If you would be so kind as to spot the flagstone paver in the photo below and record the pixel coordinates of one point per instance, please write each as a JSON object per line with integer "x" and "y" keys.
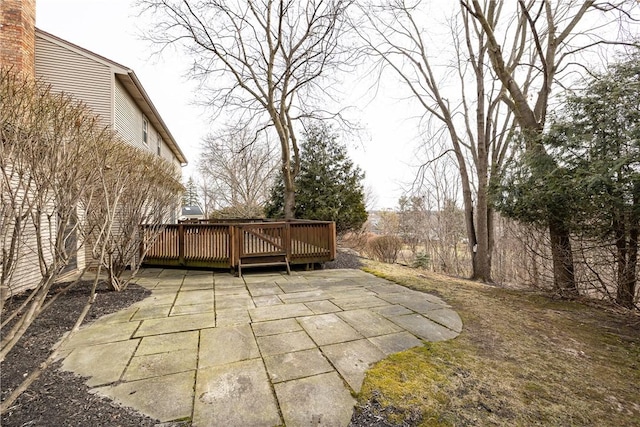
{"x": 172, "y": 324}
{"x": 273, "y": 327}
{"x": 284, "y": 343}
{"x": 368, "y": 323}
{"x": 263, "y": 350}
{"x": 112, "y": 358}
{"x": 224, "y": 345}
{"x": 320, "y": 400}
{"x": 352, "y": 359}
{"x": 169, "y": 342}
{"x": 424, "y": 328}
{"x": 151, "y": 365}
{"x": 300, "y": 364}
{"x": 395, "y": 343}
{"x": 166, "y": 398}
{"x": 237, "y": 394}
{"x": 328, "y": 329}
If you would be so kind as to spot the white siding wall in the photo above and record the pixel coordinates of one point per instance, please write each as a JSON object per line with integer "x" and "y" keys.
{"x": 71, "y": 72}
{"x": 27, "y": 270}
{"x": 128, "y": 124}
{"x": 128, "y": 118}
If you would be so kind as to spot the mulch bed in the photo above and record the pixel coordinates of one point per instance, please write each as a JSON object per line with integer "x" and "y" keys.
{"x": 60, "y": 398}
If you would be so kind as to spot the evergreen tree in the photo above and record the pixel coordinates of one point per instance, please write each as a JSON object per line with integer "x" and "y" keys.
{"x": 591, "y": 175}
{"x": 329, "y": 186}
{"x": 190, "y": 196}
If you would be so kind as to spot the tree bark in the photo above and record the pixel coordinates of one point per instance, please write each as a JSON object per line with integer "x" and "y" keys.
{"x": 289, "y": 199}
{"x": 627, "y": 253}
{"x": 483, "y": 251}
{"x": 562, "y": 255}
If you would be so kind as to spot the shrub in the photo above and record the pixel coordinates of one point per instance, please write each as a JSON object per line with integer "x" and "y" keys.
{"x": 422, "y": 260}
{"x": 385, "y": 248}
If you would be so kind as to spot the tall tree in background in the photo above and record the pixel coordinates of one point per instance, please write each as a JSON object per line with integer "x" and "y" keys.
{"x": 269, "y": 61}
{"x": 471, "y": 116}
{"x": 239, "y": 171}
{"x": 329, "y": 186}
{"x": 530, "y": 52}
{"x": 190, "y": 196}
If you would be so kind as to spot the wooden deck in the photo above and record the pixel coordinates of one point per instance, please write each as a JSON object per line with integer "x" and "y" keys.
{"x": 237, "y": 245}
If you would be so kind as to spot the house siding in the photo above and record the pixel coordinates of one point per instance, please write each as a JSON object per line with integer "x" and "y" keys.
{"x": 92, "y": 80}
{"x": 27, "y": 269}
{"x": 128, "y": 119}
{"x": 68, "y": 71}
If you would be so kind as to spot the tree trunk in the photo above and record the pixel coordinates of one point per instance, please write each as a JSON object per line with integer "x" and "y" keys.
{"x": 627, "y": 266}
{"x": 289, "y": 195}
{"x": 483, "y": 251}
{"x": 563, "y": 271}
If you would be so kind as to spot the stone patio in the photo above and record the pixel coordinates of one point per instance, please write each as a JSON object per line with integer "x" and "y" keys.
{"x": 263, "y": 350}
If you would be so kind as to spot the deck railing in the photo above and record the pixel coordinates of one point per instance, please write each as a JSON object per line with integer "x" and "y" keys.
{"x": 224, "y": 245}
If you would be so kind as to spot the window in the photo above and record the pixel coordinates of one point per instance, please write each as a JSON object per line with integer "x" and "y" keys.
{"x": 159, "y": 144}
{"x": 145, "y": 131}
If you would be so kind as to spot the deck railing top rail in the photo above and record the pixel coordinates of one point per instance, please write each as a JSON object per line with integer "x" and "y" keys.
{"x": 238, "y": 221}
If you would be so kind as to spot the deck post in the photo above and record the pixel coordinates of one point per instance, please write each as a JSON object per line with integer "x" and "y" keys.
{"x": 181, "y": 244}
{"x": 287, "y": 240}
{"x": 232, "y": 246}
{"x": 332, "y": 240}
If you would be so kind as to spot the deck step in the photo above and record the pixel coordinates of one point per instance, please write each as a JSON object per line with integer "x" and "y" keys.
{"x": 283, "y": 262}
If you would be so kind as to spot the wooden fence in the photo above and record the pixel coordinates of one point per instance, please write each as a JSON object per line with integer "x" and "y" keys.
{"x": 236, "y": 245}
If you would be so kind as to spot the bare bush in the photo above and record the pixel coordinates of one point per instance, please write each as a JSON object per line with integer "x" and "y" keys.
{"x": 385, "y": 248}
{"x": 60, "y": 169}
{"x": 46, "y": 171}
{"x": 140, "y": 188}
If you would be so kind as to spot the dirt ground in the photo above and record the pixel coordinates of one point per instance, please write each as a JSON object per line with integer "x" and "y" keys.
{"x": 61, "y": 398}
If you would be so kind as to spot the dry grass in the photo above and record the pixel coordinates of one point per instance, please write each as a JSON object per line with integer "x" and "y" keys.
{"x": 522, "y": 359}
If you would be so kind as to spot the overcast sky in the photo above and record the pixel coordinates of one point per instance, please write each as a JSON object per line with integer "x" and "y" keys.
{"x": 111, "y": 28}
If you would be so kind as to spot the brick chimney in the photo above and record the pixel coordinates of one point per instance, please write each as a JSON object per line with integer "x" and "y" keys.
{"x": 18, "y": 35}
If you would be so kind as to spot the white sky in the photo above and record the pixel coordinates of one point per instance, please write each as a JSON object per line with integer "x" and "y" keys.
{"x": 110, "y": 28}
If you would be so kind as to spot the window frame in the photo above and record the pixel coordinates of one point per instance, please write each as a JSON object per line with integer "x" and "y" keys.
{"x": 145, "y": 131}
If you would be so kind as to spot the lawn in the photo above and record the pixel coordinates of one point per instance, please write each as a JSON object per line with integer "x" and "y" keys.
{"x": 523, "y": 358}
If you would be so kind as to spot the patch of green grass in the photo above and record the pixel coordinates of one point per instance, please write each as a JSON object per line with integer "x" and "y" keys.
{"x": 523, "y": 358}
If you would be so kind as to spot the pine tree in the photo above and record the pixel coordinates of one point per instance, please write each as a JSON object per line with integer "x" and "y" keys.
{"x": 190, "y": 196}
{"x": 329, "y": 186}
{"x": 590, "y": 175}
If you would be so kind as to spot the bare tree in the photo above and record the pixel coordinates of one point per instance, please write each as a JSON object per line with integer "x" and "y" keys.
{"x": 473, "y": 118}
{"x": 270, "y": 61}
{"x": 444, "y": 229}
{"x": 208, "y": 197}
{"x": 534, "y": 49}
{"x": 239, "y": 171}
